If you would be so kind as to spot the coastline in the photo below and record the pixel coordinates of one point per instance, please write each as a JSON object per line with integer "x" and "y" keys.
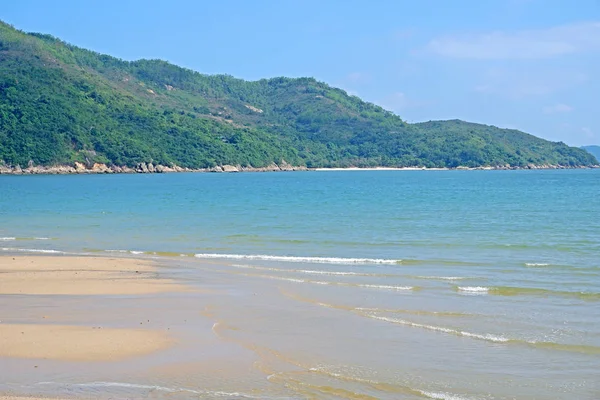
{"x": 143, "y": 168}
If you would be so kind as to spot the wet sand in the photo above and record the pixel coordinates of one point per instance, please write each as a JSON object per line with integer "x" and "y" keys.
{"x": 81, "y": 276}
{"x": 77, "y": 343}
{"x": 27, "y": 398}
{"x": 59, "y": 276}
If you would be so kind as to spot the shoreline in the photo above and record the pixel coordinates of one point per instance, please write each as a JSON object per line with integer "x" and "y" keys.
{"x": 143, "y": 168}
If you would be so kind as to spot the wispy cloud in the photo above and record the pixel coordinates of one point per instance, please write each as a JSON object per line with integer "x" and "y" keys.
{"x": 588, "y": 132}
{"x": 527, "y": 44}
{"x": 399, "y": 101}
{"x": 557, "y": 108}
{"x": 358, "y": 77}
{"x": 517, "y": 83}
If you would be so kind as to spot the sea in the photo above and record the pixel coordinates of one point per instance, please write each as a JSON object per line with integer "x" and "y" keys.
{"x": 454, "y": 285}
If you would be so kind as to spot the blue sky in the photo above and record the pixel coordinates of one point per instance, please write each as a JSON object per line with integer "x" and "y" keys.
{"x": 524, "y": 64}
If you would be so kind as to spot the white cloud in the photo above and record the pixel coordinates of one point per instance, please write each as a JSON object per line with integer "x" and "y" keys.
{"x": 398, "y": 101}
{"x": 557, "y": 108}
{"x": 518, "y": 83}
{"x": 527, "y": 44}
{"x": 357, "y": 77}
{"x": 589, "y": 134}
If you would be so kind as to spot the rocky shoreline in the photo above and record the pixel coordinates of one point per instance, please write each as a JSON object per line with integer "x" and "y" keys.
{"x": 142, "y": 168}
{"x": 149, "y": 168}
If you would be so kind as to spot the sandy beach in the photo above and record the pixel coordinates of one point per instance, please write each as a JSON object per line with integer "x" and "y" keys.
{"x": 41, "y": 338}
{"x": 81, "y": 276}
{"x": 103, "y": 319}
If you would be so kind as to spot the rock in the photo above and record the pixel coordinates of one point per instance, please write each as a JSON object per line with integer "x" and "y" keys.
{"x": 100, "y": 169}
{"x": 151, "y": 168}
{"x": 142, "y": 168}
{"x": 216, "y": 169}
{"x": 230, "y": 168}
{"x": 18, "y": 170}
{"x": 79, "y": 167}
{"x": 284, "y": 166}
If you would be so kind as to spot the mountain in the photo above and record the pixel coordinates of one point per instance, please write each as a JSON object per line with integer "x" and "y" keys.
{"x": 61, "y": 104}
{"x": 593, "y": 150}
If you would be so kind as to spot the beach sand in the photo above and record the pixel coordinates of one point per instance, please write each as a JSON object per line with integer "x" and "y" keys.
{"x": 77, "y": 343}
{"x": 81, "y": 276}
{"x": 59, "y": 276}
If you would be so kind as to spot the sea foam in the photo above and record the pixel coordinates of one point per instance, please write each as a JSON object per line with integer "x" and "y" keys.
{"x": 317, "y": 260}
{"x": 474, "y": 289}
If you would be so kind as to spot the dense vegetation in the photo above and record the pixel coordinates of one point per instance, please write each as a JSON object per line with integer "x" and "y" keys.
{"x": 60, "y": 104}
{"x": 593, "y": 150}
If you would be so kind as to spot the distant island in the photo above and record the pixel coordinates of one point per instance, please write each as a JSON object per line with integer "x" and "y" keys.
{"x": 64, "y": 109}
{"x": 593, "y": 150}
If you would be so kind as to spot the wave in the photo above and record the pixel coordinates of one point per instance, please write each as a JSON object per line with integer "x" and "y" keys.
{"x": 20, "y": 250}
{"x": 11, "y": 238}
{"x": 537, "y": 264}
{"x": 137, "y": 252}
{"x": 443, "y": 278}
{"x": 473, "y": 289}
{"x": 442, "y": 396}
{"x": 413, "y": 312}
{"x": 526, "y": 291}
{"x": 125, "y": 385}
{"x": 334, "y": 283}
{"x": 317, "y": 260}
{"x": 310, "y": 272}
{"x": 573, "y": 348}
{"x": 519, "y": 291}
{"x": 487, "y": 337}
{"x": 388, "y": 387}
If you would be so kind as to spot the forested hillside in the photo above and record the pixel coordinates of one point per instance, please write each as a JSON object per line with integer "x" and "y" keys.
{"x": 60, "y": 104}
{"x": 593, "y": 150}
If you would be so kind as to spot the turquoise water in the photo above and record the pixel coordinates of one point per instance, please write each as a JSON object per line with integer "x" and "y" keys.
{"x": 403, "y": 284}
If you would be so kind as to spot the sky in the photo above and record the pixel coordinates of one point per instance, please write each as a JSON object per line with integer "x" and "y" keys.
{"x": 530, "y": 65}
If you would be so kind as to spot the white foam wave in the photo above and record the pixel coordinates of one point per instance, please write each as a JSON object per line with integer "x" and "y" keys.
{"x": 387, "y": 287}
{"x": 333, "y": 283}
{"x": 488, "y": 337}
{"x": 34, "y": 250}
{"x": 124, "y": 251}
{"x": 443, "y": 278}
{"x": 154, "y": 388}
{"x": 11, "y": 238}
{"x": 536, "y": 264}
{"x": 317, "y": 260}
{"x": 474, "y": 289}
{"x": 442, "y": 396}
{"x": 302, "y": 271}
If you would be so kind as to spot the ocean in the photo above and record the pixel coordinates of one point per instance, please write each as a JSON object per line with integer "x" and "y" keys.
{"x": 345, "y": 284}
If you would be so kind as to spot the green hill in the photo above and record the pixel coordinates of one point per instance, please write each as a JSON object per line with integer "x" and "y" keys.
{"x": 593, "y": 150}
{"x": 60, "y": 104}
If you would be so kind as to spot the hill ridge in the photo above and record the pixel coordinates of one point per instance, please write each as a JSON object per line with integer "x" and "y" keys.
{"x": 61, "y": 104}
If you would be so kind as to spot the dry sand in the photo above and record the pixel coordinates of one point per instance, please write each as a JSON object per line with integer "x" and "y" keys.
{"x": 48, "y": 275}
{"x": 80, "y": 276}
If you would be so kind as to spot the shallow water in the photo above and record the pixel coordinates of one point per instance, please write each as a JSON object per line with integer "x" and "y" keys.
{"x": 388, "y": 284}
